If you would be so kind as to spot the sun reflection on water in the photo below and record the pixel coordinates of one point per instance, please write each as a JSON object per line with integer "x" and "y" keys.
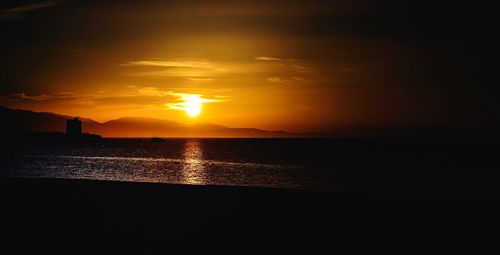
{"x": 193, "y": 171}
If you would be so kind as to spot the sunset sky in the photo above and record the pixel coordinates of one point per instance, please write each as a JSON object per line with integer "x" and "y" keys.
{"x": 300, "y": 66}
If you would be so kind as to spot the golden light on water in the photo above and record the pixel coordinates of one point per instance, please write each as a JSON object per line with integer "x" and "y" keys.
{"x": 193, "y": 171}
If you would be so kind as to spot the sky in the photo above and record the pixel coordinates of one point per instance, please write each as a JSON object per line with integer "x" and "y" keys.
{"x": 301, "y": 66}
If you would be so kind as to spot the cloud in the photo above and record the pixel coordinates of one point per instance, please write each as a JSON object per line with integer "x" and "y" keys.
{"x": 19, "y": 13}
{"x": 186, "y": 101}
{"x": 202, "y": 79}
{"x": 277, "y": 80}
{"x": 303, "y": 69}
{"x": 18, "y": 97}
{"x": 180, "y": 98}
{"x": 264, "y": 58}
{"x": 195, "y": 70}
{"x": 287, "y": 69}
{"x": 277, "y": 70}
{"x": 152, "y": 92}
{"x": 175, "y": 63}
{"x": 134, "y": 95}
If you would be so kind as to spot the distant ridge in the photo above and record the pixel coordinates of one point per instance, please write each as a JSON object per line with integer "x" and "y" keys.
{"x": 15, "y": 119}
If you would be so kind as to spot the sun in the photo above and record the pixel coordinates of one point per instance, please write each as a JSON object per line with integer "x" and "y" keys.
{"x": 192, "y": 105}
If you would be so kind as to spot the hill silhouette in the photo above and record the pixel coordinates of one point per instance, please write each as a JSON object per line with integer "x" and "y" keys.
{"x": 129, "y": 126}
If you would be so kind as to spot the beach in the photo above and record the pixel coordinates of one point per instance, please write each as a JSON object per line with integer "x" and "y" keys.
{"x": 84, "y": 215}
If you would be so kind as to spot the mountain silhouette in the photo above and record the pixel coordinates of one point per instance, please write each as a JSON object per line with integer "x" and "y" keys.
{"x": 15, "y": 119}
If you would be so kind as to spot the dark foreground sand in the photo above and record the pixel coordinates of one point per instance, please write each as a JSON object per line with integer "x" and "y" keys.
{"x": 81, "y": 215}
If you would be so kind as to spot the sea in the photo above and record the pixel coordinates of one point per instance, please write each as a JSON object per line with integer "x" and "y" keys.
{"x": 390, "y": 166}
{"x": 281, "y": 163}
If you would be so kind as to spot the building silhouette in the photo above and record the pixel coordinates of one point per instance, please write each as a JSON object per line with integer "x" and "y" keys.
{"x": 73, "y": 127}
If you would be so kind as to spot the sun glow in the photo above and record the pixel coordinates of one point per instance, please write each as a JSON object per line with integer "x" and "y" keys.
{"x": 192, "y": 105}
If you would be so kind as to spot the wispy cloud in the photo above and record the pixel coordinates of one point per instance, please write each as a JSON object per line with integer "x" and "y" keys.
{"x": 303, "y": 69}
{"x": 283, "y": 70}
{"x": 130, "y": 100}
{"x": 176, "y": 63}
{"x": 264, "y": 58}
{"x": 185, "y": 99}
{"x": 193, "y": 70}
{"x": 169, "y": 94}
{"x": 277, "y": 79}
{"x": 200, "y": 79}
{"x": 151, "y": 91}
{"x": 19, "y": 13}
{"x": 142, "y": 92}
{"x": 16, "y": 97}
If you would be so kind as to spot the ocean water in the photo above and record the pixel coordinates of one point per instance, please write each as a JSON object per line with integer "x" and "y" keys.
{"x": 286, "y": 163}
{"x": 393, "y": 166}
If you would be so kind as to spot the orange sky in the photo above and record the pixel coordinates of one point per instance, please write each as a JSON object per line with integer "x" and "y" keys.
{"x": 283, "y": 65}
